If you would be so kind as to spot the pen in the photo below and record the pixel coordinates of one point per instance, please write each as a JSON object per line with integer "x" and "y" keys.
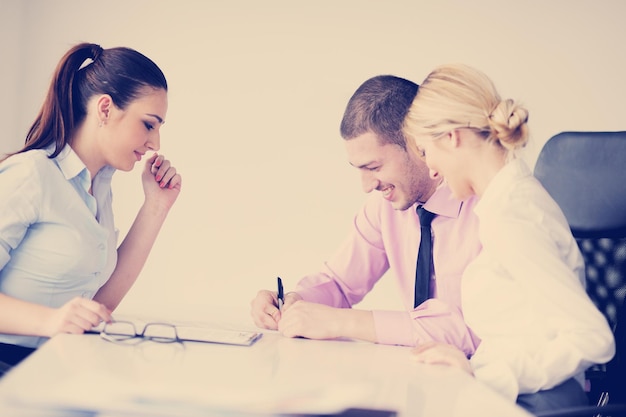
{"x": 281, "y": 295}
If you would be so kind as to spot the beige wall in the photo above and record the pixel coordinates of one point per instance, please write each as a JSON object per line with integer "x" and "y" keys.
{"x": 257, "y": 90}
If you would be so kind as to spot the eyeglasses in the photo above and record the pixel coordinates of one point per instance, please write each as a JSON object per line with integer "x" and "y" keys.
{"x": 125, "y": 332}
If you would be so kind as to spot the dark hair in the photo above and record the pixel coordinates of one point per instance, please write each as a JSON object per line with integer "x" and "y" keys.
{"x": 379, "y": 105}
{"x": 120, "y": 72}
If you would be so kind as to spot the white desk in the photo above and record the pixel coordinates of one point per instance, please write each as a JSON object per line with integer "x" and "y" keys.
{"x": 277, "y": 375}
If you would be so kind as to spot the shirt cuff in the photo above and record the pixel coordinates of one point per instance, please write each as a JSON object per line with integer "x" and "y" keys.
{"x": 4, "y": 257}
{"x": 496, "y": 374}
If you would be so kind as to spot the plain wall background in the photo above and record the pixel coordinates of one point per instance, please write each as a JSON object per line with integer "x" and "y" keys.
{"x": 257, "y": 91}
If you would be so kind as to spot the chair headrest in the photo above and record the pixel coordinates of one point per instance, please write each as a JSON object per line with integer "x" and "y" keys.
{"x": 585, "y": 172}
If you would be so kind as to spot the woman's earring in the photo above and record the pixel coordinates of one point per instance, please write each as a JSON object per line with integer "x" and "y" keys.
{"x": 100, "y": 124}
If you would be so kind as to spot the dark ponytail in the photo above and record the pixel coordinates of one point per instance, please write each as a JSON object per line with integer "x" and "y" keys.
{"x": 84, "y": 71}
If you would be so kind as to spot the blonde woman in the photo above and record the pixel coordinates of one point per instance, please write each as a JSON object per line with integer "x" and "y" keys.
{"x": 524, "y": 294}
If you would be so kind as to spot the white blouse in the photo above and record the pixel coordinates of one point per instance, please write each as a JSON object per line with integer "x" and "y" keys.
{"x": 524, "y": 294}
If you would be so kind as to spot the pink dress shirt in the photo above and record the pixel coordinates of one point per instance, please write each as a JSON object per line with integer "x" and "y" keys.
{"x": 386, "y": 239}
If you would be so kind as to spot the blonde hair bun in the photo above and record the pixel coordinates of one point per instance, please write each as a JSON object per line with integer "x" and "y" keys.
{"x": 508, "y": 123}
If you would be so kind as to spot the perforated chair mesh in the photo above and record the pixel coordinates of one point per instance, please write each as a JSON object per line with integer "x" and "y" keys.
{"x": 605, "y": 264}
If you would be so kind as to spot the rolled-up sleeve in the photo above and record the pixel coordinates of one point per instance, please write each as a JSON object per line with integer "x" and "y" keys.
{"x": 433, "y": 320}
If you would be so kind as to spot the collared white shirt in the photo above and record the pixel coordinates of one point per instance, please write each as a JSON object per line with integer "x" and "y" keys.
{"x": 524, "y": 294}
{"x": 57, "y": 241}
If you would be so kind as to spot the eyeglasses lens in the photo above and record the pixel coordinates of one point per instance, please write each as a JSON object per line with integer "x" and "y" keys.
{"x": 163, "y": 333}
{"x": 120, "y": 331}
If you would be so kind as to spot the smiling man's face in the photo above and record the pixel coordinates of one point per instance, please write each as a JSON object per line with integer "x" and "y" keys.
{"x": 399, "y": 174}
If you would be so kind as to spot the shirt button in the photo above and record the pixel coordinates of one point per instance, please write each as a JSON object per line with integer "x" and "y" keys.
{"x": 101, "y": 246}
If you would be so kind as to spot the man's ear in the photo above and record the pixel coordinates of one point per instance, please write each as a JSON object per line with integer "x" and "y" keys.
{"x": 103, "y": 107}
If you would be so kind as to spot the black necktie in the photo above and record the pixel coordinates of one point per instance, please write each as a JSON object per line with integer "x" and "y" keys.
{"x": 424, "y": 257}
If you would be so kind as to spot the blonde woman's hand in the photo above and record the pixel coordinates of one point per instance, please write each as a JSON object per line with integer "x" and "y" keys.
{"x": 437, "y": 353}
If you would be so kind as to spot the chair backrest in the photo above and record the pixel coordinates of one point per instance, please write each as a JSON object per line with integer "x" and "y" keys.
{"x": 585, "y": 172}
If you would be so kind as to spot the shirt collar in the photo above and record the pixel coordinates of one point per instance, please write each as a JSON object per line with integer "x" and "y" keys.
{"x": 501, "y": 184}
{"x": 72, "y": 166}
{"x": 443, "y": 203}
{"x": 69, "y": 163}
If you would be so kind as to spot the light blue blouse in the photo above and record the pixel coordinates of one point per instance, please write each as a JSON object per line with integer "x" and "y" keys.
{"x": 57, "y": 241}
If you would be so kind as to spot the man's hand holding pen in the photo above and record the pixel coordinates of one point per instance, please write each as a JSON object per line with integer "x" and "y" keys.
{"x": 267, "y": 307}
{"x": 294, "y": 317}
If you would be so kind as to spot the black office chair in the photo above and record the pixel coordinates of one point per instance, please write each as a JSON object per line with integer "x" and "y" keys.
{"x": 585, "y": 172}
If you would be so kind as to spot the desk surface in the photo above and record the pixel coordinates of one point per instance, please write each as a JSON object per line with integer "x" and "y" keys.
{"x": 276, "y": 375}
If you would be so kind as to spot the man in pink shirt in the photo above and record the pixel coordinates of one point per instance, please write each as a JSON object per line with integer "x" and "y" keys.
{"x": 385, "y": 236}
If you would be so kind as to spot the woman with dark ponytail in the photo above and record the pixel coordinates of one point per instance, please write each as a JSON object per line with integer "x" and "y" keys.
{"x": 61, "y": 268}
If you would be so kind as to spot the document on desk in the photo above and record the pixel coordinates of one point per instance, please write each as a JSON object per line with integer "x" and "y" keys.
{"x": 209, "y": 335}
